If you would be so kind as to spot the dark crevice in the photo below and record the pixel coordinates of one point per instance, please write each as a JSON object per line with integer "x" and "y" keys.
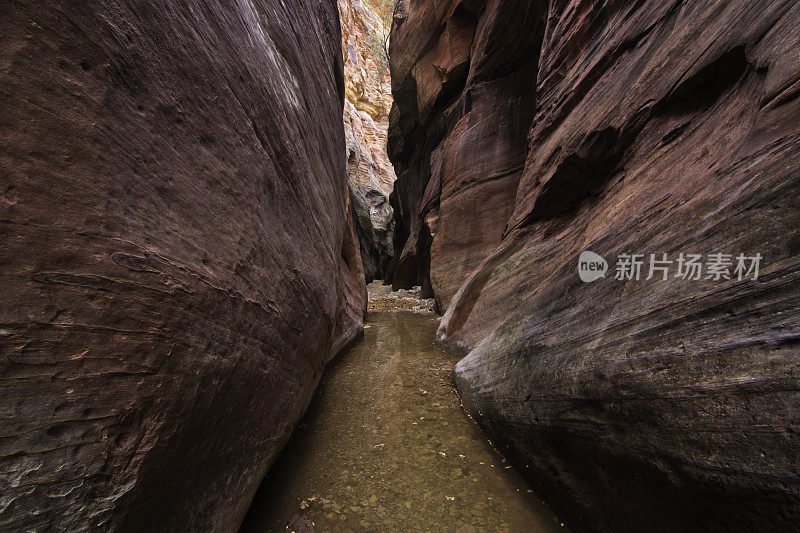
{"x": 705, "y": 87}
{"x": 584, "y": 173}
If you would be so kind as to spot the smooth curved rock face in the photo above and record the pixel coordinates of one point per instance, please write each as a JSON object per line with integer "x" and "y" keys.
{"x": 658, "y": 127}
{"x": 177, "y": 262}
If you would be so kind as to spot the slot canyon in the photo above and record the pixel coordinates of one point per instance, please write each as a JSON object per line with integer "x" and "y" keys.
{"x": 400, "y": 265}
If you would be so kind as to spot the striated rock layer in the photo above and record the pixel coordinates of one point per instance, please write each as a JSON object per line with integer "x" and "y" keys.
{"x": 177, "y": 260}
{"x": 457, "y": 133}
{"x": 527, "y": 132}
{"x": 368, "y": 98}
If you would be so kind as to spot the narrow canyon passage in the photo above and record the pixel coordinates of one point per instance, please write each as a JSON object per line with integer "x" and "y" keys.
{"x": 385, "y": 446}
{"x": 601, "y": 198}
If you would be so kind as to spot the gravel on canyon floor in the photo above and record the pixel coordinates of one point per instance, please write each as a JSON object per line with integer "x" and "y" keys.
{"x": 382, "y": 298}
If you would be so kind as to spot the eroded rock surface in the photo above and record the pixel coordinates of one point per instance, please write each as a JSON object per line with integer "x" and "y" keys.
{"x": 177, "y": 259}
{"x": 366, "y": 119}
{"x": 461, "y": 73}
{"x": 527, "y": 132}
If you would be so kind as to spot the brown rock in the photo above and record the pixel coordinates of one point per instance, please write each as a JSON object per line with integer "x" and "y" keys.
{"x": 657, "y": 127}
{"x": 353, "y": 289}
{"x": 300, "y": 524}
{"x": 457, "y": 136}
{"x": 177, "y": 262}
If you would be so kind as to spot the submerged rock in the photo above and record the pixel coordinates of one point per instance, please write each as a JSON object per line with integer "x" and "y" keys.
{"x": 525, "y": 133}
{"x": 300, "y": 524}
{"x": 177, "y": 260}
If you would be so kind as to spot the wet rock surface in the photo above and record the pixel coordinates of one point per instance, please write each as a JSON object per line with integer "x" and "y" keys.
{"x": 177, "y": 257}
{"x": 385, "y": 446}
{"x": 549, "y": 128}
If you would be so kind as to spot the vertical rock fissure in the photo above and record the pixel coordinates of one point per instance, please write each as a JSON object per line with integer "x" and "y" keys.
{"x": 367, "y": 102}
{"x": 458, "y": 134}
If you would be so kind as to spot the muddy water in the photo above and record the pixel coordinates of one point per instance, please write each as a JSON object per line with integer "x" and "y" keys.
{"x": 386, "y": 447}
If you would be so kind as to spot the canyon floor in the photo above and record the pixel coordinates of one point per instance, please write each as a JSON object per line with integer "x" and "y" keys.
{"x": 385, "y": 445}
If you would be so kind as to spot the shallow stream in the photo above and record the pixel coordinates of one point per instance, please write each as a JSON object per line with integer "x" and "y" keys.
{"x": 385, "y": 446}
